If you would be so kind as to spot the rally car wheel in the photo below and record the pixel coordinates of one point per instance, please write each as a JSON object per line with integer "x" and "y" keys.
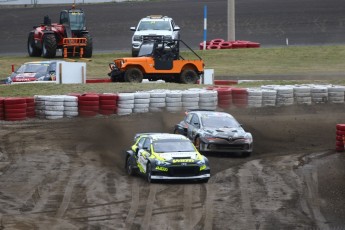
{"x": 149, "y": 173}
{"x": 197, "y": 143}
{"x": 129, "y": 167}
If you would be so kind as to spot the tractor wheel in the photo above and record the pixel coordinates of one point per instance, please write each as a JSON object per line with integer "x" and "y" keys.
{"x": 33, "y": 50}
{"x": 49, "y": 46}
{"x": 88, "y": 48}
{"x": 188, "y": 76}
{"x": 133, "y": 75}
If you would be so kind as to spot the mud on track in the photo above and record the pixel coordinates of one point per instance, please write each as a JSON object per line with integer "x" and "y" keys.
{"x": 69, "y": 174}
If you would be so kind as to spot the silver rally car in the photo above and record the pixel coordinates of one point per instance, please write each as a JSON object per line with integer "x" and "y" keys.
{"x": 213, "y": 131}
{"x": 163, "y": 156}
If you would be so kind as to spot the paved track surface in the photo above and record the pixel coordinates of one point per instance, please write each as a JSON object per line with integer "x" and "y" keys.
{"x": 270, "y": 22}
{"x": 69, "y": 174}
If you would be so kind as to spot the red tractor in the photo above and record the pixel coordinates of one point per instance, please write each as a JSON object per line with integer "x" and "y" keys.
{"x": 70, "y": 35}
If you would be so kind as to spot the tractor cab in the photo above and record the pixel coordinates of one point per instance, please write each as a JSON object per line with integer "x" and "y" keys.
{"x": 73, "y": 20}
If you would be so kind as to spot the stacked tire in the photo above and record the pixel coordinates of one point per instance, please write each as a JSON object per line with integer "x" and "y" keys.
{"x": 30, "y": 107}
{"x": 285, "y": 96}
{"x": 71, "y": 106}
{"x": 15, "y": 109}
{"x": 336, "y": 94}
{"x": 157, "y": 100}
{"x": 49, "y": 107}
{"x": 88, "y": 105}
{"x": 302, "y": 95}
{"x": 224, "y": 97}
{"x": 2, "y": 112}
{"x": 269, "y": 97}
{"x": 173, "y": 101}
{"x": 340, "y": 137}
{"x": 254, "y": 97}
{"x": 208, "y": 99}
{"x": 190, "y": 99}
{"x": 319, "y": 94}
{"x": 125, "y": 103}
{"x": 239, "y": 97}
{"x": 108, "y": 104}
{"x": 141, "y": 102}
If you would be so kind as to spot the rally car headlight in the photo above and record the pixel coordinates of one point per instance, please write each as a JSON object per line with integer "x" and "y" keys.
{"x": 162, "y": 163}
{"x": 201, "y": 162}
{"x": 248, "y": 138}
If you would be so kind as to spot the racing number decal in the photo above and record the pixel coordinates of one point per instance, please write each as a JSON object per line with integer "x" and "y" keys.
{"x": 142, "y": 158}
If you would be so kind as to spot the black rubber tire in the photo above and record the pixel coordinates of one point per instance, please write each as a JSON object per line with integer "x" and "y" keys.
{"x": 188, "y": 76}
{"x": 149, "y": 173}
{"x": 134, "y": 53}
{"x": 89, "y": 46}
{"x": 176, "y": 131}
{"x": 33, "y": 50}
{"x": 134, "y": 75}
{"x": 197, "y": 143}
{"x": 49, "y": 46}
{"x": 129, "y": 167}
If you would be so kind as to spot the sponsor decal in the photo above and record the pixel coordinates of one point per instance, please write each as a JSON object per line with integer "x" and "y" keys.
{"x": 160, "y": 168}
{"x": 183, "y": 161}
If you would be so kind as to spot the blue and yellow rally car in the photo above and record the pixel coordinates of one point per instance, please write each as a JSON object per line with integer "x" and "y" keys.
{"x": 163, "y": 156}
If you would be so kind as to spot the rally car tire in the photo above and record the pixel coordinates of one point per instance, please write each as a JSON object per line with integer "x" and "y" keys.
{"x": 129, "y": 167}
{"x": 197, "y": 143}
{"x": 149, "y": 173}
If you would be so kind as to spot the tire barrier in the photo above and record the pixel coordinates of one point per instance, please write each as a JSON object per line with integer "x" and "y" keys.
{"x": 108, "y": 104}
{"x": 239, "y": 97}
{"x": 71, "y": 106}
{"x": 254, "y": 97}
{"x": 15, "y": 109}
{"x": 125, "y": 103}
{"x": 190, "y": 99}
{"x": 49, "y": 107}
{"x": 173, "y": 101}
{"x": 269, "y": 97}
{"x": 224, "y": 97}
{"x": 210, "y": 98}
{"x": 319, "y": 94}
{"x": 88, "y": 105}
{"x": 340, "y": 137}
{"x": 2, "y": 113}
{"x": 336, "y": 94}
{"x": 157, "y": 100}
{"x": 30, "y": 107}
{"x": 141, "y": 102}
{"x": 222, "y": 44}
{"x": 302, "y": 94}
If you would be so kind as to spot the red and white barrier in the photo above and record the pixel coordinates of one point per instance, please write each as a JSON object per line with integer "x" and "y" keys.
{"x": 340, "y": 137}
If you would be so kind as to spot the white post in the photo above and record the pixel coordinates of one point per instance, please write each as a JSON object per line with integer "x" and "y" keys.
{"x": 231, "y": 20}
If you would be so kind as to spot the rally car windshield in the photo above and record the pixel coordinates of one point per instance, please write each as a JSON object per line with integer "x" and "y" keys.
{"x": 33, "y": 68}
{"x": 219, "y": 122}
{"x": 173, "y": 146}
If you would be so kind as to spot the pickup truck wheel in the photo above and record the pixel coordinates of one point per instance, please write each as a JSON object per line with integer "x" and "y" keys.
{"x": 188, "y": 76}
{"x": 134, "y": 75}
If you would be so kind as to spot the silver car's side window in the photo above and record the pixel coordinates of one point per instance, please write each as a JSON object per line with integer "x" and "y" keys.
{"x": 189, "y": 118}
{"x": 195, "y": 121}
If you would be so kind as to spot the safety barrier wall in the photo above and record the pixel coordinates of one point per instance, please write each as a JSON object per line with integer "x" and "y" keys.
{"x": 211, "y": 97}
{"x": 219, "y": 43}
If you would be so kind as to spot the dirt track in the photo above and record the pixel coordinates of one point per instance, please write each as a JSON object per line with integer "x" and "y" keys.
{"x": 69, "y": 174}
